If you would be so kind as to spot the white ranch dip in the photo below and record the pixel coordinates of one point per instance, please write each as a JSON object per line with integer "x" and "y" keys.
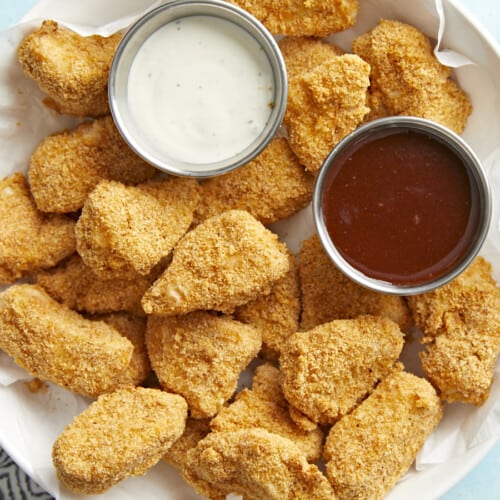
{"x": 200, "y": 89}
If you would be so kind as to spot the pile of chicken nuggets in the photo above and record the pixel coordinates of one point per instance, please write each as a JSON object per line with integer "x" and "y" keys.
{"x": 152, "y": 294}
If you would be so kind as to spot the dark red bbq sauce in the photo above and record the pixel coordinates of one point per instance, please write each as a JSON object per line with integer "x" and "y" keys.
{"x": 401, "y": 207}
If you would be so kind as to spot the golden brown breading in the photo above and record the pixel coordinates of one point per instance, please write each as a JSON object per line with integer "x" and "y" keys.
{"x": 200, "y": 356}
{"x": 66, "y": 166}
{"x": 407, "y": 79}
{"x": 328, "y": 370}
{"x": 271, "y": 187}
{"x": 298, "y": 17}
{"x": 265, "y": 407}
{"x": 328, "y": 294}
{"x": 29, "y": 240}
{"x": 302, "y": 54}
{"x": 126, "y": 230}
{"x": 75, "y": 284}
{"x": 71, "y": 69}
{"x": 324, "y": 105}
{"x": 224, "y": 262}
{"x": 121, "y": 434}
{"x": 255, "y": 464}
{"x": 461, "y": 323}
{"x": 371, "y": 448}
{"x": 276, "y": 315}
{"x": 56, "y": 344}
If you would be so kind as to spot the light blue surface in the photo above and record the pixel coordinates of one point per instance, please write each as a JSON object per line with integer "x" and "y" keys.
{"x": 483, "y": 482}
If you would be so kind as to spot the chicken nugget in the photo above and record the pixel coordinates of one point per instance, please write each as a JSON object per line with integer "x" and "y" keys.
{"x": 56, "y": 344}
{"x": 200, "y": 356}
{"x": 371, "y": 448}
{"x": 297, "y": 18}
{"x": 29, "y": 239}
{"x": 324, "y": 105}
{"x": 276, "y": 315}
{"x": 66, "y": 166}
{"x": 461, "y": 324}
{"x": 329, "y": 370}
{"x": 76, "y": 285}
{"x": 223, "y": 263}
{"x": 73, "y": 70}
{"x": 255, "y": 464}
{"x": 265, "y": 407}
{"x": 126, "y": 230}
{"x": 122, "y": 434}
{"x": 407, "y": 79}
{"x": 328, "y": 294}
{"x": 271, "y": 187}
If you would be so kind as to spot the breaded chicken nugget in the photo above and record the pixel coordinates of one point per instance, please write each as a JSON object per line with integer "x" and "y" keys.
{"x": 255, "y": 464}
{"x": 200, "y": 356}
{"x": 297, "y": 17}
{"x": 265, "y": 407}
{"x": 371, "y": 448}
{"x": 271, "y": 187}
{"x": 407, "y": 79}
{"x": 302, "y": 54}
{"x": 76, "y": 285}
{"x": 122, "y": 434}
{"x": 276, "y": 315}
{"x": 224, "y": 262}
{"x": 328, "y": 370}
{"x": 66, "y": 166}
{"x": 327, "y": 294}
{"x": 324, "y": 105}
{"x": 126, "y": 230}
{"x": 56, "y": 344}
{"x": 72, "y": 70}
{"x": 461, "y": 323}
{"x": 29, "y": 240}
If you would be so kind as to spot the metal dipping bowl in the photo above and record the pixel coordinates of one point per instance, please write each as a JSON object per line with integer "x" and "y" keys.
{"x": 128, "y": 48}
{"x": 437, "y": 132}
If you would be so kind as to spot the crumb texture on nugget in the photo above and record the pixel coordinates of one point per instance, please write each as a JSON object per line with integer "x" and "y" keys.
{"x": 461, "y": 324}
{"x": 256, "y": 464}
{"x": 73, "y": 70}
{"x": 122, "y": 434}
{"x": 200, "y": 356}
{"x": 29, "y": 239}
{"x": 330, "y": 369}
{"x": 224, "y": 262}
{"x": 370, "y": 449}
{"x": 56, "y": 344}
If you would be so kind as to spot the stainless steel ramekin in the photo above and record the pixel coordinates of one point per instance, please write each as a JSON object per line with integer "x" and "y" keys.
{"x": 141, "y": 30}
{"x": 442, "y": 135}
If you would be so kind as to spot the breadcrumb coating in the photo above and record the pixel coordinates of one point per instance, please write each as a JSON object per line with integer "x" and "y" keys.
{"x": 324, "y": 105}
{"x": 327, "y": 371}
{"x": 65, "y": 167}
{"x": 223, "y": 263}
{"x": 328, "y": 294}
{"x": 265, "y": 407}
{"x": 461, "y": 324}
{"x": 122, "y": 434}
{"x": 56, "y": 344}
{"x": 276, "y": 315}
{"x": 126, "y": 230}
{"x": 200, "y": 356}
{"x": 407, "y": 79}
{"x": 299, "y": 17}
{"x": 271, "y": 187}
{"x": 371, "y": 448}
{"x": 71, "y": 69}
{"x": 255, "y": 464}
{"x": 29, "y": 239}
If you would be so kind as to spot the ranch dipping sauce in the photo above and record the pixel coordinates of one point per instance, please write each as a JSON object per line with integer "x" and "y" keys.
{"x": 200, "y": 89}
